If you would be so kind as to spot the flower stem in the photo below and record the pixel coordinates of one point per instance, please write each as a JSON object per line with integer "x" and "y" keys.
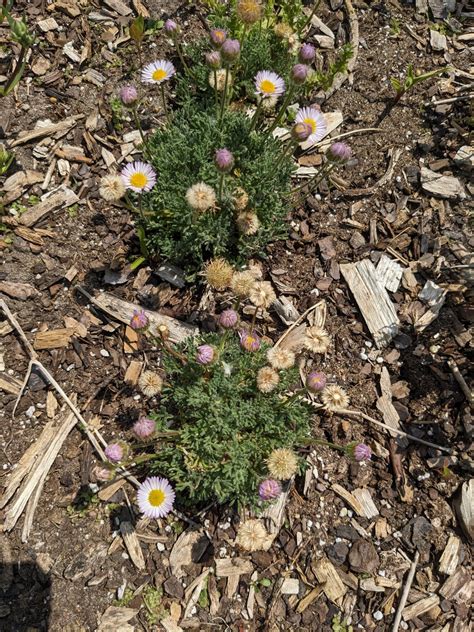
{"x": 163, "y": 96}
{"x": 256, "y": 115}
{"x": 141, "y": 228}
{"x": 140, "y": 129}
{"x": 308, "y": 21}
{"x": 288, "y": 149}
{"x": 284, "y": 105}
{"x": 216, "y": 93}
{"x": 179, "y": 50}
{"x": 224, "y": 95}
{"x": 221, "y": 187}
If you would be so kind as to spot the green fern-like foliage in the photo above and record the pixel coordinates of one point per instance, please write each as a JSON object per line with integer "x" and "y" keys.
{"x": 226, "y": 428}
{"x": 183, "y": 155}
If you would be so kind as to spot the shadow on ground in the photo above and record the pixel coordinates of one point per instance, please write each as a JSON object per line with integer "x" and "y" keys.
{"x": 25, "y": 593}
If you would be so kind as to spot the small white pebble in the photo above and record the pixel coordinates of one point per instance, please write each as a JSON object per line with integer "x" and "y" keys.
{"x": 104, "y": 353}
{"x": 160, "y": 546}
{"x": 309, "y": 524}
{"x": 30, "y": 412}
{"x": 350, "y": 513}
{"x": 343, "y": 512}
{"x": 378, "y": 616}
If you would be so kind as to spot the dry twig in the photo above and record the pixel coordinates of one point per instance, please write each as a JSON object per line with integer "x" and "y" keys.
{"x": 406, "y": 590}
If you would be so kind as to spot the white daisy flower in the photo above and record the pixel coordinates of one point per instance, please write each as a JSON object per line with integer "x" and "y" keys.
{"x": 158, "y": 71}
{"x": 139, "y": 177}
{"x": 315, "y": 120}
{"x": 155, "y": 497}
{"x": 269, "y": 84}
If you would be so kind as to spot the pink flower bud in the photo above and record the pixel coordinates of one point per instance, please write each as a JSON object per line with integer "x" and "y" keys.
{"x": 228, "y": 319}
{"x": 249, "y": 340}
{"x": 299, "y": 73}
{"x": 224, "y": 160}
{"x": 269, "y": 489}
{"x": 306, "y": 54}
{"x": 301, "y": 132}
{"x": 315, "y": 382}
{"x": 205, "y": 354}
{"x": 339, "y": 152}
{"x": 114, "y": 452}
{"x": 171, "y": 27}
{"x": 362, "y": 452}
{"x": 218, "y": 37}
{"x": 128, "y": 95}
{"x": 213, "y": 59}
{"x": 144, "y": 428}
{"x": 230, "y": 50}
{"x": 139, "y": 319}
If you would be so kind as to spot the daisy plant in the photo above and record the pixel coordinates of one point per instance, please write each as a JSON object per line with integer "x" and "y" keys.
{"x": 230, "y": 419}
{"x": 158, "y": 72}
{"x": 139, "y": 177}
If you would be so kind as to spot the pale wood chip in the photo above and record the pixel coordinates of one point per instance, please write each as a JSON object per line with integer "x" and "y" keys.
{"x": 133, "y": 372}
{"x": 20, "y": 291}
{"x": 53, "y": 339}
{"x": 229, "y": 566}
{"x": 54, "y": 129}
{"x": 115, "y": 619}
{"x": 420, "y": 607}
{"x": 132, "y": 544}
{"x": 332, "y": 584}
{"x": 61, "y": 199}
{"x": 449, "y": 560}
{"x": 372, "y": 299}
{"x": 10, "y": 384}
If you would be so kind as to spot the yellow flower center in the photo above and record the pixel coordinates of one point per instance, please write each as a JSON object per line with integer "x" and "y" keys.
{"x": 159, "y": 74}
{"x": 267, "y": 86}
{"x": 138, "y": 180}
{"x": 311, "y": 123}
{"x": 156, "y": 497}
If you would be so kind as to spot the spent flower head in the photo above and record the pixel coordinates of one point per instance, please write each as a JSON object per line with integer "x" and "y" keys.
{"x": 334, "y": 398}
{"x": 249, "y": 340}
{"x": 112, "y": 187}
{"x": 150, "y": 383}
{"x": 228, "y": 319}
{"x": 262, "y": 294}
{"x": 281, "y": 358}
{"x": 339, "y": 153}
{"x": 252, "y": 536}
{"x": 242, "y": 283}
{"x": 155, "y": 497}
{"x": 218, "y": 273}
{"x": 158, "y": 71}
{"x": 269, "y": 84}
{"x": 224, "y": 160}
{"x": 249, "y": 11}
{"x": 241, "y": 199}
{"x": 201, "y": 197}
{"x": 139, "y": 177}
{"x": 144, "y": 428}
{"x": 317, "y": 339}
{"x": 205, "y": 354}
{"x": 248, "y": 223}
{"x": 306, "y": 54}
{"x": 316, "y": 382}
{"x": 269, "y": 489}
{"x": 282, "y": 463}
{"x": 267, "y": 379}
{"x": 316, "y": 120}
{"x": 128, "y": 95}
{"x": 139, "y": 320}
{"x": 218, "y": 81}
